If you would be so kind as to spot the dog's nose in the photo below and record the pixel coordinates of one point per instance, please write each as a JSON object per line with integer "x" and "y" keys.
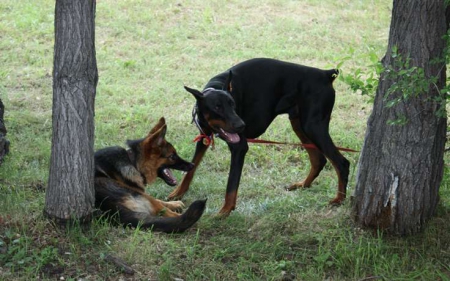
{"x": 239, "y": 127}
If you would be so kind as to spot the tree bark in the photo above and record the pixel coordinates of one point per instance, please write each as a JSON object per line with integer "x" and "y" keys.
{"x": 4, "y": 143}
{"x": 401, "y": 166}
{"x": 70, "y": 193}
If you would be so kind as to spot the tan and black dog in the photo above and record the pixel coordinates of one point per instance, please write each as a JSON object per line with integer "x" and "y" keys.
{"x": 121, "y": 176}
{"x": 243, "y": 101}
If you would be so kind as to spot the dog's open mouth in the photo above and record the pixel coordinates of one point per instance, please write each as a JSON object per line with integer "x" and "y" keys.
{"x": 229, "y": 137}
{"x": 167, "y": 176}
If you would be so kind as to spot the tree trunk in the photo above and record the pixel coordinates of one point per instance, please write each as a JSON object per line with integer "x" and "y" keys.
{"x": 70, "y": 193}
{"x": 4, "y": 143}
{"x": 401, "y": 166}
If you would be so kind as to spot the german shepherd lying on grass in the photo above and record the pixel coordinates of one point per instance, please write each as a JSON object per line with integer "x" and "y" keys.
{"x": 121, "y": 176}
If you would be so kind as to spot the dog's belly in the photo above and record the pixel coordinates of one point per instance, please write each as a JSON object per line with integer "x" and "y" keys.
{"x": 138, "y": 204}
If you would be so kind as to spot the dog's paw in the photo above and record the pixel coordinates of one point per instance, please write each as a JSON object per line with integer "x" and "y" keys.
{"x": 337, "y": 201}
{"x": 175, "y": 205}
{"x": 175, "y": 195}
{"x": 225, "y": 211}
{"x": 296, "y": 185}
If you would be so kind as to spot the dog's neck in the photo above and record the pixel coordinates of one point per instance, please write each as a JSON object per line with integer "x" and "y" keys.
{"x": 131, "y": 156}
{"x": 133, "y": 161}
{"x": 197, "y": 117}
{"x": 200, "y": 122}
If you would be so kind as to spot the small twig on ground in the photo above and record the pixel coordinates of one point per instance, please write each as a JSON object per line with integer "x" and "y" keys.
{"x": 120, "y": 263}
{"x": 371, "y": 278}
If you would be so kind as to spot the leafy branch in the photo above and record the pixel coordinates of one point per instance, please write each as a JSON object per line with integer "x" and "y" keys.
{"x": 408, "y": 81}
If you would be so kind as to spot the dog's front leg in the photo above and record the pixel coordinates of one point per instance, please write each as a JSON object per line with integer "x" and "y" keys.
{"x": 238, "y": 152}
{"x": 176, "y": 206}
{"x": 183, "y": 187}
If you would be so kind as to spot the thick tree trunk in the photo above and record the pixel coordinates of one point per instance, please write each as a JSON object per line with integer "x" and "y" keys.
{"x": 70, "y": 193}
{"x": 401, "y": 166}
{"x": 4, "y": 143}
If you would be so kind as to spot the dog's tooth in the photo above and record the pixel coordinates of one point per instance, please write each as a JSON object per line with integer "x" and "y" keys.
{"x": 224, "y": 132}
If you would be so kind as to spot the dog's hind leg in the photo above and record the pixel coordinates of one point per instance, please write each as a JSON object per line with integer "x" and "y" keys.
{"x": 183, "y": 187}
{"x": 238, "y": 152}
{"x": 317, "y": 132}
{"x": 316, "y": 157}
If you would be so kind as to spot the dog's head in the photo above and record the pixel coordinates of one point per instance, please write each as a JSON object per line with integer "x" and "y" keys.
{"x": 155, "y": 156}
{"x": 217, "y": 111}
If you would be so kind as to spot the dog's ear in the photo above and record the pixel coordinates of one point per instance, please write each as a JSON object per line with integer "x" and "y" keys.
{"x": 227, "y": 86}
{"x": 160, "y": 135}
{"x": 157, "y": 138}
{"x": 332, "y": 74}
{"x": 158, "y": 126}
{"x": 197, "y": 94}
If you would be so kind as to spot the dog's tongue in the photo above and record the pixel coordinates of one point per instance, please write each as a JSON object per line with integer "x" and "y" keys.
{"x": 229, "y": 137}
{"x": 168, "y": 177}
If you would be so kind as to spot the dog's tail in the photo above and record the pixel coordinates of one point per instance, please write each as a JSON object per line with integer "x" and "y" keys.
{"x": 332, "y": 74}
{"x": 168, "y": 224}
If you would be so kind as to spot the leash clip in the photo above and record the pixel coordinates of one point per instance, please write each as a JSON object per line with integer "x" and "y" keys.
{"x": 207, "y": 140}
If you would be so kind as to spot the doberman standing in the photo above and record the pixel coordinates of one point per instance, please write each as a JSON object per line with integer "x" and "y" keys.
{"x": 243, "y": 101}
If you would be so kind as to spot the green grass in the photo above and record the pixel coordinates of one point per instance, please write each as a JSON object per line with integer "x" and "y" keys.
{"x": 146, "y": 51}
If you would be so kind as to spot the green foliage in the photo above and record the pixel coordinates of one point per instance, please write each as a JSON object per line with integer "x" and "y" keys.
{"x": 408, "y": 81}
{"x": 19, "y": 255}
{"x": 361, "y": 80}
{"x": 444, "y": 96}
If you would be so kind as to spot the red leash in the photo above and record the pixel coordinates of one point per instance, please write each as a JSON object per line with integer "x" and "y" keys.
{"x": 209, "y": 140}
{"x": 304, "y": 145}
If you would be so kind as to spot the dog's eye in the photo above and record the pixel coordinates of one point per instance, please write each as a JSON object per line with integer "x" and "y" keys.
{"x": 172, "y": 157}
{"x": 218, "y": 107}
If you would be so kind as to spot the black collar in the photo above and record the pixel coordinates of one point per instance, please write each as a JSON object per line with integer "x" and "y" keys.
{"x": 195, "y": 117}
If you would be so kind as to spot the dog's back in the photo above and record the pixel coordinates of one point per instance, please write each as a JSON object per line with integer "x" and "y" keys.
{"x": 263, "y": 88}
{"x": 114, "y": 162}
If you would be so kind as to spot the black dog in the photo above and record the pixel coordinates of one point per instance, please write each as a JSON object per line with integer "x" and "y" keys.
{"x": 242, "y": 102}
